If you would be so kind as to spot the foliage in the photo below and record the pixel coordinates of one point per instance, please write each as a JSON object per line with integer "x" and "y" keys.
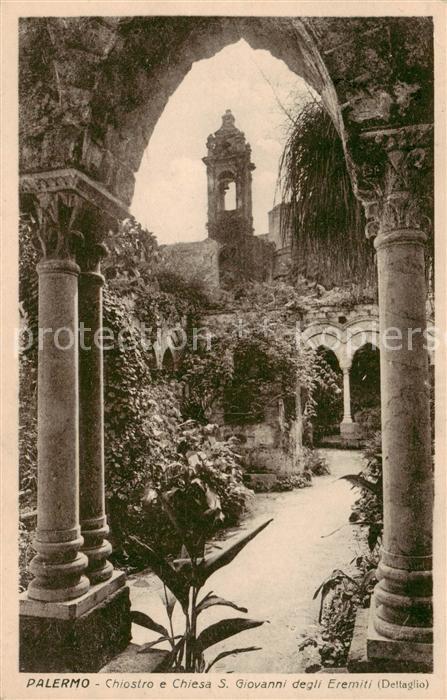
{"x": 284, "y": 482}
{"x": 194, "y": 510}
{"x": 26, "y": 553}
{"x": 28, "y": 282}
{"x": 27, "y": 429}
{"x": 253, "y": 356}
{"x": 369, "y": 421}
{"x": 368, "y": 509}
{"x": 349, "y": 296}
{"x": 326, "y": 406}
{"x": 315, "y": 463}
{"x": 341, "y": 595}
{"x": 149, "y": 445}
{"x": 326, "y": 219}
{"x": 130, "y": 266}
{"x": 135, "y": 270}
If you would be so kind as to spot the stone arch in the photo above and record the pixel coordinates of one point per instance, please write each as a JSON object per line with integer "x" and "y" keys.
{"x": 169, "y": 343}
{"x": 199, "y": 39}
{"x": 93, "y": 88}
{"x": 360, "y": 332}
{"x": 168, "y": 360}
{"x": 326, "y": 335}
{"x": 343, "y": 339}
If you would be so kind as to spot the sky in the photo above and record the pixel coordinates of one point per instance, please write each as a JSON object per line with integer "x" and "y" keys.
{"x": 170, "y": 194}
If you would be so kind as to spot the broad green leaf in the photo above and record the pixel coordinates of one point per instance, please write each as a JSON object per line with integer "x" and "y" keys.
{"x": 145, "y": 648}
{"x": 223, "y": 629}
{"x": 145, "y": 621}
{"x": 169, "y": 600}
{"x": 216, "y": 561}
{"x": 209, "y": 601}
{"x": 177, "y": 583}
{"x": 358, "y": 481}
{"x": 223, "y": 654}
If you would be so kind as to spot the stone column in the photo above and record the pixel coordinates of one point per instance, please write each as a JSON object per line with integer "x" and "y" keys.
{"x": 347, "y": 418}
{"x": 59, "y": 565}
{"x": 62, "y": 612}
{"x": 91, "y": 426}
{"x": 402, "y": 616}
{"x": 347, "y": 427}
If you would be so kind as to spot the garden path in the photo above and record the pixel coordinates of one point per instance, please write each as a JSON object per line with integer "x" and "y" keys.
{"x": 276, "y": 575}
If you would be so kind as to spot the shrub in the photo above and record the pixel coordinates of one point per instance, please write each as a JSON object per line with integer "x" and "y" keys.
{"x": 284, "y": 482}
{"x": 163, "y": 447}
{"x": 369, "y": 421}
{"x": 315, "y": 463}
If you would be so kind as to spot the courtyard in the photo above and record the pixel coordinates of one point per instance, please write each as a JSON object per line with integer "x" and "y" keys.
{"x": 199, "y": 391}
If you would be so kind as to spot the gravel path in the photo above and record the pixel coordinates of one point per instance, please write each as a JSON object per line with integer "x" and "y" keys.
{"x": 276, "y": 575}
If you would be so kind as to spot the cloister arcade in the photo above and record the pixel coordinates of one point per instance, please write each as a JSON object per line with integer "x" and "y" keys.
{"x": 91, "y": 92}
{"x": 344, "y": 341}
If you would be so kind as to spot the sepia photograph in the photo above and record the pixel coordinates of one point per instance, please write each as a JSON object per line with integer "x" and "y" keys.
{"x": 225, "y": 349}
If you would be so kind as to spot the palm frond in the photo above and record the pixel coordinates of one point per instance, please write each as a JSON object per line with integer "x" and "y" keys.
{"x": 325, "y": 219}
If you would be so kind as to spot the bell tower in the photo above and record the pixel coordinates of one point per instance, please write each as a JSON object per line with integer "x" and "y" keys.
{"x": 229, "y": 167}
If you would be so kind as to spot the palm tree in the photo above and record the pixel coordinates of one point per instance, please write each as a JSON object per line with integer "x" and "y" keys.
{"x": 324, "y": 217}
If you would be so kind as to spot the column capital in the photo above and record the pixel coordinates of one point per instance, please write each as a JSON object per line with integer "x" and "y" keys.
{"x": 393, "y": 172}
{"x": 73, "y": 213}
{"x": 57, "y": 234}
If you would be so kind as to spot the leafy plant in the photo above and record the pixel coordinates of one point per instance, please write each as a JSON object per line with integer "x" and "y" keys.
{"x": 368, "y": 509}
{"x": 341, "y": 595}
{"x": 284, "y": 482}
{"x": 194, "y": 510}
{"x": 315, "y": 463}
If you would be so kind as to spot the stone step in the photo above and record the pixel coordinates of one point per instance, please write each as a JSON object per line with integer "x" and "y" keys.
{"x": 130, "y": 661}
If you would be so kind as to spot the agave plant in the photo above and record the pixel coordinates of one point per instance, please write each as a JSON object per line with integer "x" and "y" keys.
{"x": 194, "y": 510}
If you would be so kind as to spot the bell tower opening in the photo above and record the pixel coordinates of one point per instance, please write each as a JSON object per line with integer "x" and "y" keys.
{"x": 229, "y": 195}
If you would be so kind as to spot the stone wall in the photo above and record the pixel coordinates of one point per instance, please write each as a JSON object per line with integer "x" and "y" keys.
{"x": 273, "y": 445}
{"x": 338, "y": 314}
{"x": 197, "y": 260}
{"x": 249, "y": 258}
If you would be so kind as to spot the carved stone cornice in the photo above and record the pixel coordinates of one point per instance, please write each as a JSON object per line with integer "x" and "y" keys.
{"x": 75, "y": 181}
{"x": 390, "y": 175}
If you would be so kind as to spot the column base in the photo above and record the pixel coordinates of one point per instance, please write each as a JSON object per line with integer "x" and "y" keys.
{"x": 349, "y": 429}
{"x": 367, "y": 641}
{"x": 75, "y": 636}
{"x": 398, "y": 650}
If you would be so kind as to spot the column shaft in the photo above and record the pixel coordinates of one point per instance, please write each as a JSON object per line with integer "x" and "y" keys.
{"x": 91, "y": 425}
{"x": 403, "y": 594}
{"x": 347, "y": 418}
{"x": 58, "y": 566}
